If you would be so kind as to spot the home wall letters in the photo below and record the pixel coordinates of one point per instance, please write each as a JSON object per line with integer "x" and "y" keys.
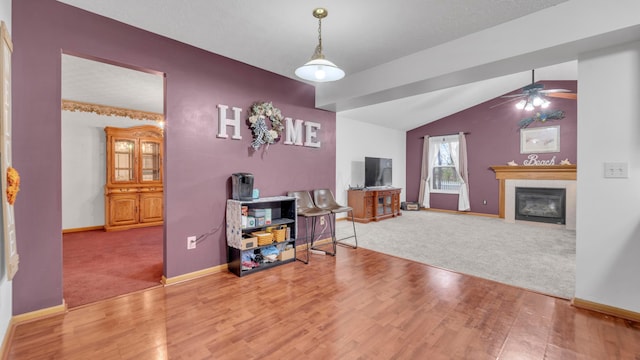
{"x": 293, "y": 129}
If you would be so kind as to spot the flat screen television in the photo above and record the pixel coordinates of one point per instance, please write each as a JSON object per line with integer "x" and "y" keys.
{"x": 377, "y": 172}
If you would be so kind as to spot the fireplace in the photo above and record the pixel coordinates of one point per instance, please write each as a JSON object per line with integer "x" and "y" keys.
{"x": 548, "y": 176}
{"x": 547, "y": 205}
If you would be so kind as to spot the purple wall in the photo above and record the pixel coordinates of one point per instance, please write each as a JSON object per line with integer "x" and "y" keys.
{"x": 493, "y": 139}
{"x": 197, "y": 164}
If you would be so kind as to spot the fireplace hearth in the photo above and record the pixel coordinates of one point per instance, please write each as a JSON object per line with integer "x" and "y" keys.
{"x": 545, "y": 205}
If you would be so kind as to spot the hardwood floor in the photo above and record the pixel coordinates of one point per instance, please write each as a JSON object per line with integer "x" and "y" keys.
{"x": 357, "y": 305}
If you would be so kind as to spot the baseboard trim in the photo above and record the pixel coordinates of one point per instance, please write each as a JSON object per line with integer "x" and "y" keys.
{"x": 220, "y": 268}
{"x": 461, "y": 212}
{"x": 317, "y": 242}
{"x": 443, "y": 211}
{"x": 606, "y": 309}
{"x": 88, "y": 228}
{"x": 39, "y": 314}
{"x": 194, "y": 275}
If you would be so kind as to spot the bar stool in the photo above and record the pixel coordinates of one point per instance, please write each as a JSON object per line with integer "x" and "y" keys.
{"x": 323, "y": 198}
{"x": 307, "y": 209}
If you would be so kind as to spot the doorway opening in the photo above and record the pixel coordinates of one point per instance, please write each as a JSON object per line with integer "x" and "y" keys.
{"x": 99, "y": 264}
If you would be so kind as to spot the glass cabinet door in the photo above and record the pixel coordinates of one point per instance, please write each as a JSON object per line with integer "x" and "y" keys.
{"x": 150, "y": 164}
{"x": 388, "y": 204}
{"x": 380, "y": 210}
{"x": 385, "y": 202}
{"x": 124, "y": 160}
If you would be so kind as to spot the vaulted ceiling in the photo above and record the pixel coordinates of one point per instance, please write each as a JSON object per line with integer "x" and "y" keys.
{"x": 415, "y": 60}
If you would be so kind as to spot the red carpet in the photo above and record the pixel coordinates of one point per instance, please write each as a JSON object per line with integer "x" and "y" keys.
{"x": 99, "y": 265}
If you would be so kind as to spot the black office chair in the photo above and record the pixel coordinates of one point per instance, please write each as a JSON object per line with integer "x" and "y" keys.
{"x": 307, "y": 209}
{"x": 323, "y": 198}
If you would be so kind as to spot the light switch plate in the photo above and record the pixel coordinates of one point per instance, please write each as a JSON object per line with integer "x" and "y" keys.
{"x": 616, "y": 170}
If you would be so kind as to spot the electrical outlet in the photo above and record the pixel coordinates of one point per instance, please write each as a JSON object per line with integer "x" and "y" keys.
{"x": 322, "y": 221}
{"x": 191, "y": 242}
{"x": 484, "y": 202}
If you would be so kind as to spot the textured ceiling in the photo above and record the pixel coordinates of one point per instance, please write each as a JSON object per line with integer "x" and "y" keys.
{"x": 104, "y": 84}
{"x": 280, "y": 35}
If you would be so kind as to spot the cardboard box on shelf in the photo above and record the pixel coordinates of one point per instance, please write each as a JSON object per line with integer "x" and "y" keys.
{"x": 249, "y": 242}
{"x": 257, "y": 212}
{"x": 286, "y": 254}
{"x": 267, "y": 216}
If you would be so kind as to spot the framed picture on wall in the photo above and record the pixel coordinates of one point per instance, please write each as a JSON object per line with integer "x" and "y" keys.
{"x": 540, "y": 140}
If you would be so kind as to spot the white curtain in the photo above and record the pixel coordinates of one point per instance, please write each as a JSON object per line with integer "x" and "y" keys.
{"x": 462, "y": 169}
{"x": 423, "y": 196}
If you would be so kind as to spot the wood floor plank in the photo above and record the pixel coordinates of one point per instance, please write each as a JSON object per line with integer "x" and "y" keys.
{"x": 527, "y": 338}
{"x": 357, "y": 305}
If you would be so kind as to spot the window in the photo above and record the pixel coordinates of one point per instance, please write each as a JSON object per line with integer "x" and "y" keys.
{"x": 443, "y": 156}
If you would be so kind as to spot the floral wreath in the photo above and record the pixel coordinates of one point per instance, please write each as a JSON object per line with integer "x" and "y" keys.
{"x": 13, "y": 185}
{"x": 260, "y": 112}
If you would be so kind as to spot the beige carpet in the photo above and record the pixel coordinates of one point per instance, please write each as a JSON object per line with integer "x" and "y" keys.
{"x": 533, "y": 256}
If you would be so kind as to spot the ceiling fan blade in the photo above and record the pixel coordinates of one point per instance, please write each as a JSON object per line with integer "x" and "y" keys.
{"x": 571, "y": 96}
{"x": 513, "y": 96}
{"x": 554, "y": 91}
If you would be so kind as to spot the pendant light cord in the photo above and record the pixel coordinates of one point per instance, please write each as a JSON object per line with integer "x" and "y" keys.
{"x": 320, "y": 34}
{"x": 317, "y": 54}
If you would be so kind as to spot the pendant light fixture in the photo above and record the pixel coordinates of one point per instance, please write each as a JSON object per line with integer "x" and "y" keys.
{"x": 319, "y": 69}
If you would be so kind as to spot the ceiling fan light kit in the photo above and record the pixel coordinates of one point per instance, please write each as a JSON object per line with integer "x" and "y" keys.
{"x": 532, "y": 102}
{"x": 534, "y": 96}
{"x": 319, "y": 69}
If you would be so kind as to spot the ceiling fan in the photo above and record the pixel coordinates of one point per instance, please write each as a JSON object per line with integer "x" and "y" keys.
{"x": 534, "y": 95}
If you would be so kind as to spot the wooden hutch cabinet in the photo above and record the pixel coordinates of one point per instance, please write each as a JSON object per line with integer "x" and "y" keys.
{"x": 374, "y": 204}
{"x": 134, "y": 189}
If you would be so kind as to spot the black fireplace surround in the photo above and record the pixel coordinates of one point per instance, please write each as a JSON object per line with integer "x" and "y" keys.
{"x": 547, "y": 205}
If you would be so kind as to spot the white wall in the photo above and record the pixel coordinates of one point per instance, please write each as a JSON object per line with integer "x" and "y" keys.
{"x": 5, "y": 13}
{"x": 6, "y": 304}
{"x": 354, "y": 141}
{"x": 84, "y": 169}
{"x": 608, "y": 211}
